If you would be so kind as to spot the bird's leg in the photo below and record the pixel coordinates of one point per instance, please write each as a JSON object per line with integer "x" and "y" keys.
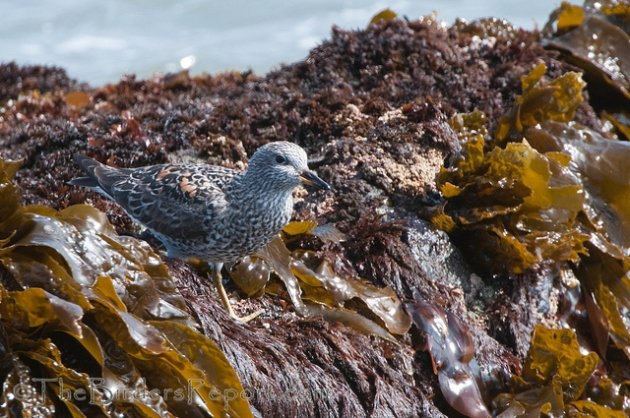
{"x": 218, "y": 282}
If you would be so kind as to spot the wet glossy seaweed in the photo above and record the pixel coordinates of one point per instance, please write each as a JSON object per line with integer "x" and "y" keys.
{"x": 74, "y": 278}
{"x": 547, "y": 191}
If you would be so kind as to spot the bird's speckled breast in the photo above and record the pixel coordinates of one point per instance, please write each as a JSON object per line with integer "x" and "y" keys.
{"x": 242, "y": 232}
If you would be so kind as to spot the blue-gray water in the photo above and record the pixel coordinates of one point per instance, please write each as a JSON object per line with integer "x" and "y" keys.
{"x": 98, "y": 41}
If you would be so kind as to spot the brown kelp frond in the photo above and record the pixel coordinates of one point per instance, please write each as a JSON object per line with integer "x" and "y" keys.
{"x": 92, "y": 325}
{"x": 307, "y": 277}
{"x": 549, "y": 192}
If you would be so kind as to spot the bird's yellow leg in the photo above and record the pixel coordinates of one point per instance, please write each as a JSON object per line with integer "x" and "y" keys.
{"x": 218, "y": 282}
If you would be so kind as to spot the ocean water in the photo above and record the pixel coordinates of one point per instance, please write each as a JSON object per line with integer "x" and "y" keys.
{"x": 99, "y": 41}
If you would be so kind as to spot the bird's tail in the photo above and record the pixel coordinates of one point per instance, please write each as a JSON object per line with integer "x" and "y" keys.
{"x": 88, "y": 165}
{"x": 99, "y": 177}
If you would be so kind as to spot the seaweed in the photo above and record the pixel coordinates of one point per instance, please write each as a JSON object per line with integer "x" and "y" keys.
{"x": 549, "y": 191}
{"x": 555, "y": 100}
{"x": 383, "y": 16}
{"x": 371, "y": 105}
{"x": 554, "y": 380}
{"x": 307, "y": 276}
{"x": 595, "y": 37}
{"x": 450, "y": 345}
{"x": 600, "y": 166}
{"x": 519, "y": 204}
{"x": 71, "y": 281}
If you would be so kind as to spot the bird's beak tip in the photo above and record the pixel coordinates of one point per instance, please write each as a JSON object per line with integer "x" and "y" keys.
{"x": 309, "y": 178}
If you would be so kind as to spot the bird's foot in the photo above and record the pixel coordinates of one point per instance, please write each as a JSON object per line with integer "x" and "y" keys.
{"x": 218, "y": 282}
{"x": 244, "y": 319}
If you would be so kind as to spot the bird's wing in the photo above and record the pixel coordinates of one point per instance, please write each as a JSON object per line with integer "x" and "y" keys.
{"x": 179, "y": 201}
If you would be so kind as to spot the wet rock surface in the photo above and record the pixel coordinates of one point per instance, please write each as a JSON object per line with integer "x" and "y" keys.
{"x": 372, "y": 108}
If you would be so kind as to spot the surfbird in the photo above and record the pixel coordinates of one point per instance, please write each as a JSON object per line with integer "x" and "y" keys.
{"x": 211, "y": 213}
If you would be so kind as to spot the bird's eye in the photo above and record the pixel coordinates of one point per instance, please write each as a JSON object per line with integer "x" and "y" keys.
{"x": 280, "y": 159}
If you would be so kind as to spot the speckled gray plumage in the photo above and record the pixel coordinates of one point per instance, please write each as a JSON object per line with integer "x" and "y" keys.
{"x": 208, "y": 212}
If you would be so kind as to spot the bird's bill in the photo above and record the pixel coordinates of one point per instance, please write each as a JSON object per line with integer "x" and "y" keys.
{"x": 311, "y": 179}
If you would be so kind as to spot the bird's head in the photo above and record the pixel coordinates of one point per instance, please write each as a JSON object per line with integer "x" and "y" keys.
{"x": 284, "y": 166}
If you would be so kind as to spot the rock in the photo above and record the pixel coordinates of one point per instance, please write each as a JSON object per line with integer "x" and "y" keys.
{"x": 372, "y": 106}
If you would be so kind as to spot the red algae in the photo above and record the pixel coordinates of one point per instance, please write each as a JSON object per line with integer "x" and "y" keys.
{"x": 374, "y": 108}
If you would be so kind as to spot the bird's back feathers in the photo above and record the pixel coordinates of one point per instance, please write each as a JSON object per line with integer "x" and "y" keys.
{"x": 203, "y": 211}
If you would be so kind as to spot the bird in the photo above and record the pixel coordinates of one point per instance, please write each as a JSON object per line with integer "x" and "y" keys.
{"x": 208, "y": 212}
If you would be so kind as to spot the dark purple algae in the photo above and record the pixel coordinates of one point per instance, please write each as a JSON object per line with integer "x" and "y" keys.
{"x": 374, "y": 108}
